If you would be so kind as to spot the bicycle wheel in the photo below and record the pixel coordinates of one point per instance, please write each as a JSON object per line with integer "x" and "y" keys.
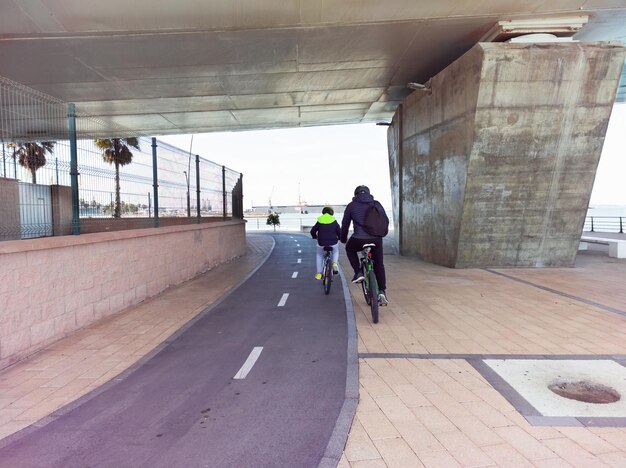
{"x": 373, "y": 293}
{"x": 364, "y": 285}
{"x": 327, "y": 277}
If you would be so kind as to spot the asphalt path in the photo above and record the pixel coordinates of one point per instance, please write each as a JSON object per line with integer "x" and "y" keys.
{"x": 183, "y": 406}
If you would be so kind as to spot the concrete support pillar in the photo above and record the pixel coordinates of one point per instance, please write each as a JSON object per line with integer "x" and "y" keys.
{"x": 495, "y": 165}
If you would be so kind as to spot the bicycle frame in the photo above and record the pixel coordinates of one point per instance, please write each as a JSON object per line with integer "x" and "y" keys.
{"x": 370, "y": 291}
{"x": 368, "y": 265}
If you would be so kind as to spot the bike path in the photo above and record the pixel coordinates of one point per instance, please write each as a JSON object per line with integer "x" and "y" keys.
{"x": 182, "y": 407}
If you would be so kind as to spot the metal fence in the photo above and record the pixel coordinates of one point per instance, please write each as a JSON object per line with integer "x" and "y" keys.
{"x": 605, "y": 224}
{"x": 64, "y": 172}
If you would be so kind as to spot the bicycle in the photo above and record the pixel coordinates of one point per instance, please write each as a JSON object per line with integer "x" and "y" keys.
{"x": 327, "y": 272}
{"x": 369, "y": 285}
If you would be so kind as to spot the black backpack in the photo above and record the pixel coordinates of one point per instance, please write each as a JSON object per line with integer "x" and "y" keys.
{"x": 376, "y": 222}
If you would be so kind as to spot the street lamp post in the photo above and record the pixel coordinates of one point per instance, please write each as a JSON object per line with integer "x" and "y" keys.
{"x": 188, "y": 200}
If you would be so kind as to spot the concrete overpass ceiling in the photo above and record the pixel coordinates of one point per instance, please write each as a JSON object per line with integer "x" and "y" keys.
{"x": 197, "y": 65}
{"x": 609, "y": 25}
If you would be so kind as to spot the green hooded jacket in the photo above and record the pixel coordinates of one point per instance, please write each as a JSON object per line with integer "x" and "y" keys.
{"x": 326, "y": 230}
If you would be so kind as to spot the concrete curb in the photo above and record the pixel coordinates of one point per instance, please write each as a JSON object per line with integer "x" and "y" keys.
{"x": 339, "y": 437}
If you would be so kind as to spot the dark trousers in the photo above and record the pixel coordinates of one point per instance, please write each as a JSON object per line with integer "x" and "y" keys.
{"x": 355, "y": 245}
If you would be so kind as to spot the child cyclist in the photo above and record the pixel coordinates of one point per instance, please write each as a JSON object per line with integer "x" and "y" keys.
{"x": 327, "y": 233}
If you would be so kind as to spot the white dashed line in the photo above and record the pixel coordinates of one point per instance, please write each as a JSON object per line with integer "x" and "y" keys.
{"x": 283, "y": 300}
{"x": 299, "y": 260}
{"x": 297, "y": 245}
{"x": 299, "y": 251}
{"x": 247, "y": 366}
{"x": 295, "y": 274}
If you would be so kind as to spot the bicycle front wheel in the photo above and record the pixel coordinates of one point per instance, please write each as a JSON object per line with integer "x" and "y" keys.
{"x": 328, "y": 277}
{"x": 373, "y": 293}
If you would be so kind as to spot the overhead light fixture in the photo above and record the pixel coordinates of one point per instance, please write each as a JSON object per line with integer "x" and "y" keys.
{"x": 561, "y": 26}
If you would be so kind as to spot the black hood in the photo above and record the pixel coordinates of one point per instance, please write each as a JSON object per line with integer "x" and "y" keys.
{"x": 363, "y": 198}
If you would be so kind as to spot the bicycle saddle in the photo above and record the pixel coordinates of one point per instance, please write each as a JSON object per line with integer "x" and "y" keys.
{"x": 369, "y": 245}
{"x": 328, "y": 248}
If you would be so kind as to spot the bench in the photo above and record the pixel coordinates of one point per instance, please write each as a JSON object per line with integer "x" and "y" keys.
{"x": 617, "y": 247}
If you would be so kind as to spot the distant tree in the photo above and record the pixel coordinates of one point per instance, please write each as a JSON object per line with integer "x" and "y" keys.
{"x": 117, "y": 152}
{"x": 273, "y": 219}
{"x": 32, "y": 155}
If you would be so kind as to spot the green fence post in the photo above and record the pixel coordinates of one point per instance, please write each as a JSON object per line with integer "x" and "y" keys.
{"x": 198, "y": 187}
{"x": 224, "y": 192}
{"x": 240, "y": 195}
{"x": 155, "y": 182}
{"x": 71, "y": 114}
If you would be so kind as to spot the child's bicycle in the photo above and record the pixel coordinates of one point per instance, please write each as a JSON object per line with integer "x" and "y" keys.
{"x": 369, "y": 285}
{"x": 327, "y": 272}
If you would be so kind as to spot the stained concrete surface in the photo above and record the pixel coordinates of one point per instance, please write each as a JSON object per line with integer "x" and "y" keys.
{"x": 495, "y": 166}
{"x": 531, "y": 378}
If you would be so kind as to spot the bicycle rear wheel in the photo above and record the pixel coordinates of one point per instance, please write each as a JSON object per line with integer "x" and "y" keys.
{"x": 373, "y": 293}
{"x": 327, "y": 278}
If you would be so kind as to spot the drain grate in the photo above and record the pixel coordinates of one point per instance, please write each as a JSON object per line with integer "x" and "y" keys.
{"x": 585, "y": 391}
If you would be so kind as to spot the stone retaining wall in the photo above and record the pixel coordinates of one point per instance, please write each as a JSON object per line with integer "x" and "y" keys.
{"x": 50, "y": 287}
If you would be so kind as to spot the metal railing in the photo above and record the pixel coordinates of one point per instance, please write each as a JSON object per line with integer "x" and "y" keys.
{"x": 65, "y": 172}
{"x": 605, "y": 224}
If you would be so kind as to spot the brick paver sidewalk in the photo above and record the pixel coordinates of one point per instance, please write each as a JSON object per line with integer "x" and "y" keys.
{"x": 421, "y": 411}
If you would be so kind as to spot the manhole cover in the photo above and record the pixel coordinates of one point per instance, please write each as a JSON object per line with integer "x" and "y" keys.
{"x": 585, "y": 391}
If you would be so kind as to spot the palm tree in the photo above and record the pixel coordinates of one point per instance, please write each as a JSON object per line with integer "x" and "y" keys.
{"x": 32, "y": 155}
{"x": 117, "y": 152}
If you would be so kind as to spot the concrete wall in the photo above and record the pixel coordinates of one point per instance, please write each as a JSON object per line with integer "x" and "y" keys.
{"x": 53, "y": 286}
{"x": 497, "y": 164}
{"x": 9, "y": 209}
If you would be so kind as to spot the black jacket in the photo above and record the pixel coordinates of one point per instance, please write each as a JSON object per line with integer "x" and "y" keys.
{"x": 355, "y": 213}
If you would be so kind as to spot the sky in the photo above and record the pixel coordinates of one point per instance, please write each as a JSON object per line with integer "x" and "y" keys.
{"x": 323, "y": 165}
{"x": 610, "y": 184}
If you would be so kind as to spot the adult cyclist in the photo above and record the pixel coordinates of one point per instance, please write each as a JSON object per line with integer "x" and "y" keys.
{"x": 355, "y": 214}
